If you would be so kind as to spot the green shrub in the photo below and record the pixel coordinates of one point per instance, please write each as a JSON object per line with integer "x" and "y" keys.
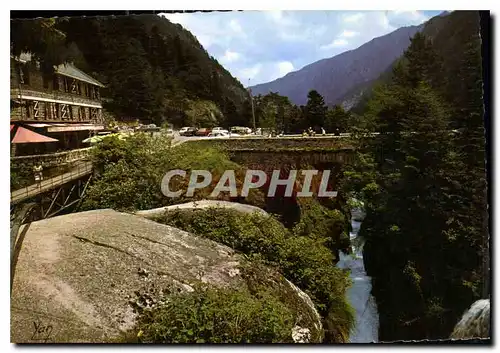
{"x": 21, "y": 177}
{"x": 130, "y": 172}
{"x": 320, "y": 222}
{"x": 218, "y": 316}
{"x": 305, "y": 261}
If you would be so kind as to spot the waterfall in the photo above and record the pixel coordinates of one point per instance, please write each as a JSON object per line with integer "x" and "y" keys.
{"x": 359, "y": 295}
{"x": 475, "y": 322}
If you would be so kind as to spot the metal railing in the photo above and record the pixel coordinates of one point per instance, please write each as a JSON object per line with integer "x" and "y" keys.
{"x": 78, "y": 171}
{"x": 51, "y": 159}
{"x": 55, "y": 95}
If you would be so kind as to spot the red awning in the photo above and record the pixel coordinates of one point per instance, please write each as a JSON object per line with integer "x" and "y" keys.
{"x": 24, "y": 135}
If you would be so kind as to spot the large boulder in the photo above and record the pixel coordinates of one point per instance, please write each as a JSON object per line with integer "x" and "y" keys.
{"x": 202, "y": 204}
{"x": 84, "y": 277}
{"x": 475, "y": 322}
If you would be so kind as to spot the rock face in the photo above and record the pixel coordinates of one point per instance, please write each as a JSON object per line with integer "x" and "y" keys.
{"x": 83, "y": 277}
{"x": 151, "y": 214}
{"x": 475, "y": 323}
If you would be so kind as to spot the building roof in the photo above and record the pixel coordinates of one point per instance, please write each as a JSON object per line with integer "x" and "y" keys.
{"x": 70, "y": 70}
{"x": 24, "y": 135}
{"x": 66, "y": 69}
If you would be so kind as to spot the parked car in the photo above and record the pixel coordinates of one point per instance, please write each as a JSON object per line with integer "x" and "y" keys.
{"x": 241, "y": 130}
{"x": 183, "y": 130}
{"x": 218, "y": 134}
{"x": 203, "y": 132}
{"x": 191, "y": 131}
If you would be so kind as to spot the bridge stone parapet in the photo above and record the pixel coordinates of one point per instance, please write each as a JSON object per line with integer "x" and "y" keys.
{"x": 288, "y": 144}
{"x": 289, "y": 159}
{"x": 284, "y": 153}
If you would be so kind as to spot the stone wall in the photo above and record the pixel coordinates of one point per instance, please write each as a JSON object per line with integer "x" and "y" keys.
{"x": 278, "y": 143}
{"x": 294, "y": 159}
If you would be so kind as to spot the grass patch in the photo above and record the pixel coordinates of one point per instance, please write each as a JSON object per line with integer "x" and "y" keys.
{"x": 223, "y": 315}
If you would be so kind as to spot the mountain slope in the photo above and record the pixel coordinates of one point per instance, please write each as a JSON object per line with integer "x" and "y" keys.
{"x": 445, "y": 31}
{"x": 153, "y": 70}
{"x": 333, "y": 78}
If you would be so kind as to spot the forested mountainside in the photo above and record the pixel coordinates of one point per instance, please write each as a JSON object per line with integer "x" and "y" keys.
{"x": 423, "y": 181}
{"x": 333, "y": 78}
{"x": 153, "y": 70}
{"x": 447, "y": 33}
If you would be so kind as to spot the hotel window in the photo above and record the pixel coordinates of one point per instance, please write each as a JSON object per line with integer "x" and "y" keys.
{"x": 81, "y": 113}
{"x": 73, "y": 86}
{"x": 55, "y": 83}
{"x": 55, "y": 111}
{"x": 64, "y": 111}
{"x": 100, "y": 119}
{"x": 36, "y": 110}
{"x": 29, "y": 110}
{"x": 48, "y": 111}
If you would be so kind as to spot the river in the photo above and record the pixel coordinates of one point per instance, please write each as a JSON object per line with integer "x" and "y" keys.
{"x": 359, "y": 295}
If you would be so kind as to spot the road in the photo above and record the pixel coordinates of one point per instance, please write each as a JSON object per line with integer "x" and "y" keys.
{"x": 177, "y": 139}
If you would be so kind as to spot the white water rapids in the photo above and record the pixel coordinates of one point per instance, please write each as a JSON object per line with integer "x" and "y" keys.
{"x": 359, "y": 295}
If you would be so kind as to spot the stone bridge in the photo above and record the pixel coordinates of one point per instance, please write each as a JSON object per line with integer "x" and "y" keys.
{"x": 282, "y": 152}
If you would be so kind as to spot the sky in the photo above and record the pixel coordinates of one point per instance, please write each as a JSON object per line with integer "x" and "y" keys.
{"x": 261, "y": 46}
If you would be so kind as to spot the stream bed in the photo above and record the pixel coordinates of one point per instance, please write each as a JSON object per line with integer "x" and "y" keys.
{"x": 359, "y": 295}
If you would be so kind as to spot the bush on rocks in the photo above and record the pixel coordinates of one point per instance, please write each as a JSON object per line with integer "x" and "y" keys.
{"x": 304, "y": 260}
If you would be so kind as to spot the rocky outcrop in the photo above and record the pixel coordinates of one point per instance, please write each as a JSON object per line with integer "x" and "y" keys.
{"x": 84, "y": 277}
{"x": 475, "y": 322}
{"x": 196, "y": 205}
{"x": 299, "y": 334}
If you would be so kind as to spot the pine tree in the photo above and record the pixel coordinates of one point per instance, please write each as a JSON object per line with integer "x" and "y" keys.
{"x": 132, "y": 81}
{"x": 423, "y": 63}
{"x": 315, "y": 109}
{"x": 424, "y": 240}
{"x": 337, "y": 119}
